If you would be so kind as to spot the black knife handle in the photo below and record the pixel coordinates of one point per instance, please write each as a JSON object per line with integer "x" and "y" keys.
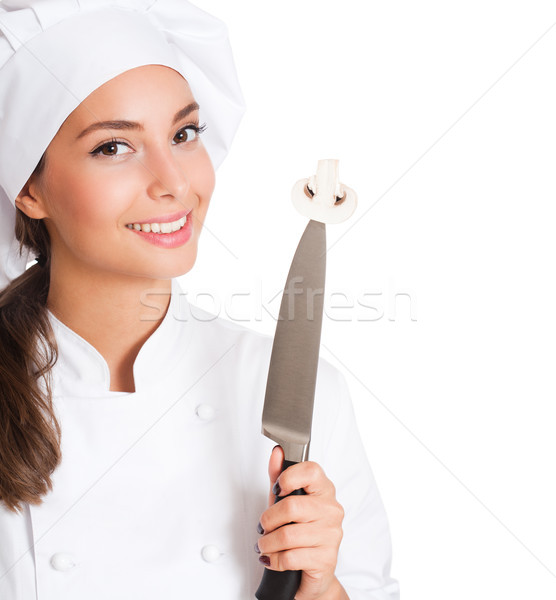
{"x": 280, "y": 585}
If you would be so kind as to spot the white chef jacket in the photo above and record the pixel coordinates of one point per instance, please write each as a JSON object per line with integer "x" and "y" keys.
{"x": 159, "y": 491}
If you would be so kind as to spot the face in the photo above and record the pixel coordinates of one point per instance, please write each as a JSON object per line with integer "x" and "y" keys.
{"x": 100, "y": 184}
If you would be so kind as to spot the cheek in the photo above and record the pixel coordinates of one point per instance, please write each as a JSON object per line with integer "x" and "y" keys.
{"x": 203, "y": 179}
{"x": 88, "y": 201}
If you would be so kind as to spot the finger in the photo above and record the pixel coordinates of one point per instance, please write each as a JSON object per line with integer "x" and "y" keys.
{"x": 274, "y": 468}
{"x": 321, "y": 559}
{"x": 299, "y": 535}
{"x": 308, "y": 475}
{"x": 302, "y": 509}
{"x": 275, "y": 463}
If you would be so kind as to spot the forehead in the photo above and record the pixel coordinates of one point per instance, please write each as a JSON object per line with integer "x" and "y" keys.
{"x": 142, "y": 93}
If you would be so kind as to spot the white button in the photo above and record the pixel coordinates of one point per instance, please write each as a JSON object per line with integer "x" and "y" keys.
{"x": 62, "y": 561}
{"x": 210, "y": 553}
{"x": 205, "y": 412}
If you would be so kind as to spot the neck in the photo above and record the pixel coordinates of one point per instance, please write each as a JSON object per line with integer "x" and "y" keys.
{"x": 115, "y": 313}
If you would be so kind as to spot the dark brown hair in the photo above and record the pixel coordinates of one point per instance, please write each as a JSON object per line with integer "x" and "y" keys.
{"x": 29, "y": 432}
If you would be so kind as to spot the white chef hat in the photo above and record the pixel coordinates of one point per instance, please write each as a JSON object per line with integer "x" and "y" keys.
{"x": 54, "y": 53}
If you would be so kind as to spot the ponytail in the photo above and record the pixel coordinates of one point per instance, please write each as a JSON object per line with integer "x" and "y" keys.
{"x": 29, "y": 432}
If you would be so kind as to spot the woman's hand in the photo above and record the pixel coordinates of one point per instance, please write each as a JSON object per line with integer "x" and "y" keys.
{"x": 303, "y": 533}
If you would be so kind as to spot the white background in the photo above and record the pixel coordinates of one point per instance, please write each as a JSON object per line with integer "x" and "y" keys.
{"x": 442, "y": 115}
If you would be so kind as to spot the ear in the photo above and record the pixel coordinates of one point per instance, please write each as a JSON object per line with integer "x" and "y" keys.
{"x": 30, "y": 200}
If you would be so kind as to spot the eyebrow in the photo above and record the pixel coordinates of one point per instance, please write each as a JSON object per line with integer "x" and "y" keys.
{"x": 122, "y": 124}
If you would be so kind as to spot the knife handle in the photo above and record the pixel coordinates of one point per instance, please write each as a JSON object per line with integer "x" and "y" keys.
{"x": 280, "y": 585}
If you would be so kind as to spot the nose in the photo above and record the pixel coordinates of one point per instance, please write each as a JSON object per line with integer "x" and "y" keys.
{"x": 167, "y": 176}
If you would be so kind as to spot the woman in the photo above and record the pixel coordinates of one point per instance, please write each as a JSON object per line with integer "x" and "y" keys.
{"x": 132, "y": 460}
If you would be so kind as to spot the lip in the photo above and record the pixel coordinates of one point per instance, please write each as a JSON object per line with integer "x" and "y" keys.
{"x": 165, "y": 218}
{"x": 175, "y": 239}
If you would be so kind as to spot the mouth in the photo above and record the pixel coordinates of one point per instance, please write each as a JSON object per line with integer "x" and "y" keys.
{"x": 163, "y": 224}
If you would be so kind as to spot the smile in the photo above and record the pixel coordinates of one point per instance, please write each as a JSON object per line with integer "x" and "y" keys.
{"x": 159, "y": 227}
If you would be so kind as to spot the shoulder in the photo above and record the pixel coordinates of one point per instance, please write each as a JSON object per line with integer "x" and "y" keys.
{"x": 245, "y": 354}
{"x": 217, "y": 334}
{"x": 252, "y": 349}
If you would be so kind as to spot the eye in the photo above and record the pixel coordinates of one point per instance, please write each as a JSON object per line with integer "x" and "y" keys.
{"x": 111, "y": 148}
{"x": 189, "y": 133}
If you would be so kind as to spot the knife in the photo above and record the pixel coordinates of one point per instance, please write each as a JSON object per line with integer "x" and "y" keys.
{"x": 290, "y": 387}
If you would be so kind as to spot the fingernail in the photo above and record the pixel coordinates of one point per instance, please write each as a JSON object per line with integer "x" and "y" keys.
{"x": 257, "y": 548}
{"x": 276, "y": 489}
{"x": 265, "y": 560}
{"x": 260, "y": 527}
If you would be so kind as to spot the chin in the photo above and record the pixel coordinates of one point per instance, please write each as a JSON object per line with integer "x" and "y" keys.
{"x": 172, "y": 269}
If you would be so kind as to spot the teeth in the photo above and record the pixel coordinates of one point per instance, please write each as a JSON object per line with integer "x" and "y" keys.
{"x": 159, "y": 227}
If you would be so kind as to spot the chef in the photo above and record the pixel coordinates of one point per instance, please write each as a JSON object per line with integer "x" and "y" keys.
{"x": 131, "y": 459}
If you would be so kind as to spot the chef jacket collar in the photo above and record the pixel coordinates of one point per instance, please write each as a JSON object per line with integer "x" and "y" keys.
{"x": 82, "y": 371}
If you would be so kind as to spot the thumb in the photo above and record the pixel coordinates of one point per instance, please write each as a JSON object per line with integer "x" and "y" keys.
{"x": 274, "y": 469}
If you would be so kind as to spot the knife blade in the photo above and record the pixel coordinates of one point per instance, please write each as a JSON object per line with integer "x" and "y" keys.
{"x": 290, "y": 390}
